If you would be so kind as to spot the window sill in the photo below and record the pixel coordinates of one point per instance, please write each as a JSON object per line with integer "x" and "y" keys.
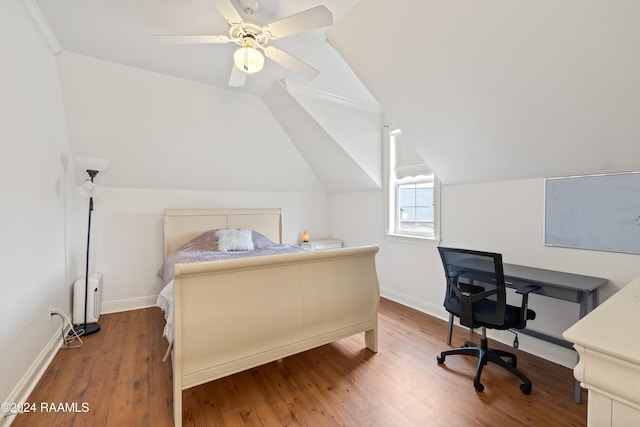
{"x": 414, "y": 240}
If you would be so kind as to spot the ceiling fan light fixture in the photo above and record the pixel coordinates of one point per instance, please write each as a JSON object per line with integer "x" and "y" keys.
{"x": 248, "y": 59}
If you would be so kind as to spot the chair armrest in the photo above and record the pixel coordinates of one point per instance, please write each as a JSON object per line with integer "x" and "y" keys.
{"x": 524, "y": 309}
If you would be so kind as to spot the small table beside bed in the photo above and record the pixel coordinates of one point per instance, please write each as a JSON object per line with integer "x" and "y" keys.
{"x": 235, "y": 297}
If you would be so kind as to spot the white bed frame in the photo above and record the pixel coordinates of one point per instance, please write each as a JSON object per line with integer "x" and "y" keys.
{"x": 237, "y": 314}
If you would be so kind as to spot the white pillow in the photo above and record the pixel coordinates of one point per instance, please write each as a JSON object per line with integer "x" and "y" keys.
{"x": 234, "y": 240}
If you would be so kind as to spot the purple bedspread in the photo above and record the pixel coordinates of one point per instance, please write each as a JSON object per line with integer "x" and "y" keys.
{"x": 196, "y": 256}
{"x": 204, "y": 248}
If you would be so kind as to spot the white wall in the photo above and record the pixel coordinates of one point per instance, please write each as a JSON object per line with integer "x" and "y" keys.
{"x": 36, "y": 180}
{"x": 126, "y": 245}
{"x": 505, "y": 217}
{"x": 162, "y": 132}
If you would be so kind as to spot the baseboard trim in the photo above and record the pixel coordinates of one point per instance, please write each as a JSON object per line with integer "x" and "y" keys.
{"x": 128, "y": 304}
{"x": 415, "y": 303}
{"x": 30, "y": 379}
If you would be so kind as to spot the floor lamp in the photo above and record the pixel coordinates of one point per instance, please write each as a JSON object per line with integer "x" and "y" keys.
{"x": 93, "y": 167}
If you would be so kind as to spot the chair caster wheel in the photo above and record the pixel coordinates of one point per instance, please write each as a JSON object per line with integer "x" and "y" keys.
{"x": 440, "y": 359}
{"x": 479, "y": 387}
{"x": 526, "y": 388}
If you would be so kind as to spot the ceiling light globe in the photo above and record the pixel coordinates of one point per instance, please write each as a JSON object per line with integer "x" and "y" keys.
{"x": 248, "y": 59}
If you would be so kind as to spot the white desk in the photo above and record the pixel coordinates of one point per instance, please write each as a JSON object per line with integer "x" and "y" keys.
{"x": 609, "y": 365}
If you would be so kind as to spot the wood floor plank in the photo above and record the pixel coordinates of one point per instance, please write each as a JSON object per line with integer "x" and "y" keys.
{"x": 119, "y": 374}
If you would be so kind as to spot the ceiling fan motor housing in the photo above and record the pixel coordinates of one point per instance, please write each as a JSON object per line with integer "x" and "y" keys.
{"x": 248, "y": 33}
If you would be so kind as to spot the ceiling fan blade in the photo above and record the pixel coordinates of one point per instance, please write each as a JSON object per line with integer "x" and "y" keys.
{"x": 310, "y": 19}
{"x": 227, "y": 10}
{"x": 192, "y": 38}
{"x": 237, "y": 77}
{"x": 291, "y": 63}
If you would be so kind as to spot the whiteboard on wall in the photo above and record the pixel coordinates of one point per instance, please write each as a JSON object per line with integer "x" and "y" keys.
{"x": 597, "y": 212}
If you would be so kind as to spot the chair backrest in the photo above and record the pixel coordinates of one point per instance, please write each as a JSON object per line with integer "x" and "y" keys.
{"x": 475, "y": 286}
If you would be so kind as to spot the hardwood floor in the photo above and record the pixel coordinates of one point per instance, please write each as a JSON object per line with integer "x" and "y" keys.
{"x": 119, "y": 376}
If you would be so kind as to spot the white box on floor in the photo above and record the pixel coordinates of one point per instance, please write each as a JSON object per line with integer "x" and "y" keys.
{"x": 94, "y": 299}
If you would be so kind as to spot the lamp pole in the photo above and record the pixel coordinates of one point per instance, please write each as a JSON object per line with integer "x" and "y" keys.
{"x": 88, "y": 328}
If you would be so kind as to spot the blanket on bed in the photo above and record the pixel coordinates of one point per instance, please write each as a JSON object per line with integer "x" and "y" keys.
{"x": 205, "y": 248}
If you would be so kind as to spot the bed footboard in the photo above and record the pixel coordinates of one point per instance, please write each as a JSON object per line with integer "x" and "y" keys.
{"x": 237, "y": 314}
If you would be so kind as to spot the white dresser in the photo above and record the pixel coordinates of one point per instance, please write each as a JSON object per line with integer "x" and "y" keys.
{"x": 322, "y": 244}
{"x": 608, "y": 342}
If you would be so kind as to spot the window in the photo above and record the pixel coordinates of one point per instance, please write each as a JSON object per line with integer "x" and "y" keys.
{"x": 412, "y": 192}
{"x": 415, "y": 207}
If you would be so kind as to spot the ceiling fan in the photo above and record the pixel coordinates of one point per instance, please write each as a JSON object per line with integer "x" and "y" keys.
{"x": 253, "y": 38}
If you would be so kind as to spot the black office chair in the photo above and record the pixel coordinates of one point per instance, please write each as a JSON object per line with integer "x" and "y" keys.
{"x": 476, "y": 294}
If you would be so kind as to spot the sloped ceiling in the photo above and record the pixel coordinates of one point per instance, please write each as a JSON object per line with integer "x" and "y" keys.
{"x": 331, "y": 163}
{"x": 121, "y": 31}
{"x": 166, "y": 118}
{"x": 499, "y": 89}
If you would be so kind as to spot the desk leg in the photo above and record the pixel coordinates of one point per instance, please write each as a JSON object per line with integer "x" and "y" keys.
{"x": 578, "y": 393}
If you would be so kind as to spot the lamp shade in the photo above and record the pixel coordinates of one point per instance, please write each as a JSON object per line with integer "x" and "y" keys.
{"x": 248, "y": 59}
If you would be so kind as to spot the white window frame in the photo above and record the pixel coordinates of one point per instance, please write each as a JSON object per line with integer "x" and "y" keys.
{"x": 393, "y": 230}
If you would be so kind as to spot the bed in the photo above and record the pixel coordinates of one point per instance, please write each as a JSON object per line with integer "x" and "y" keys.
{"x": 234, "y": 314}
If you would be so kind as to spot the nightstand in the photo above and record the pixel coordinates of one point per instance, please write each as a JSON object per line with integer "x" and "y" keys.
{"x": 321, "y": 244}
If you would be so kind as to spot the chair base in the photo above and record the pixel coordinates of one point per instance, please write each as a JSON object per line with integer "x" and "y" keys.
{"x": 486, "y": 355}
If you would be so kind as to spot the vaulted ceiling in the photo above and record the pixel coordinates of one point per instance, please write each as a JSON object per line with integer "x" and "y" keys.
{"x": 489, "y": 90}
{"x": 122, "y": 31}
{"x": 499, "y": 89}
{"x": 159, "y": 131}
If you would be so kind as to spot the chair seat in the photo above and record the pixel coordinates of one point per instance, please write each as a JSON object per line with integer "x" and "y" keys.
{"x": 511, "y": 317}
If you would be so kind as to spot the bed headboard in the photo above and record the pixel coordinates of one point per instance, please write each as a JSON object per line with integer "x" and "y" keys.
{"x": 182, "y": 225}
